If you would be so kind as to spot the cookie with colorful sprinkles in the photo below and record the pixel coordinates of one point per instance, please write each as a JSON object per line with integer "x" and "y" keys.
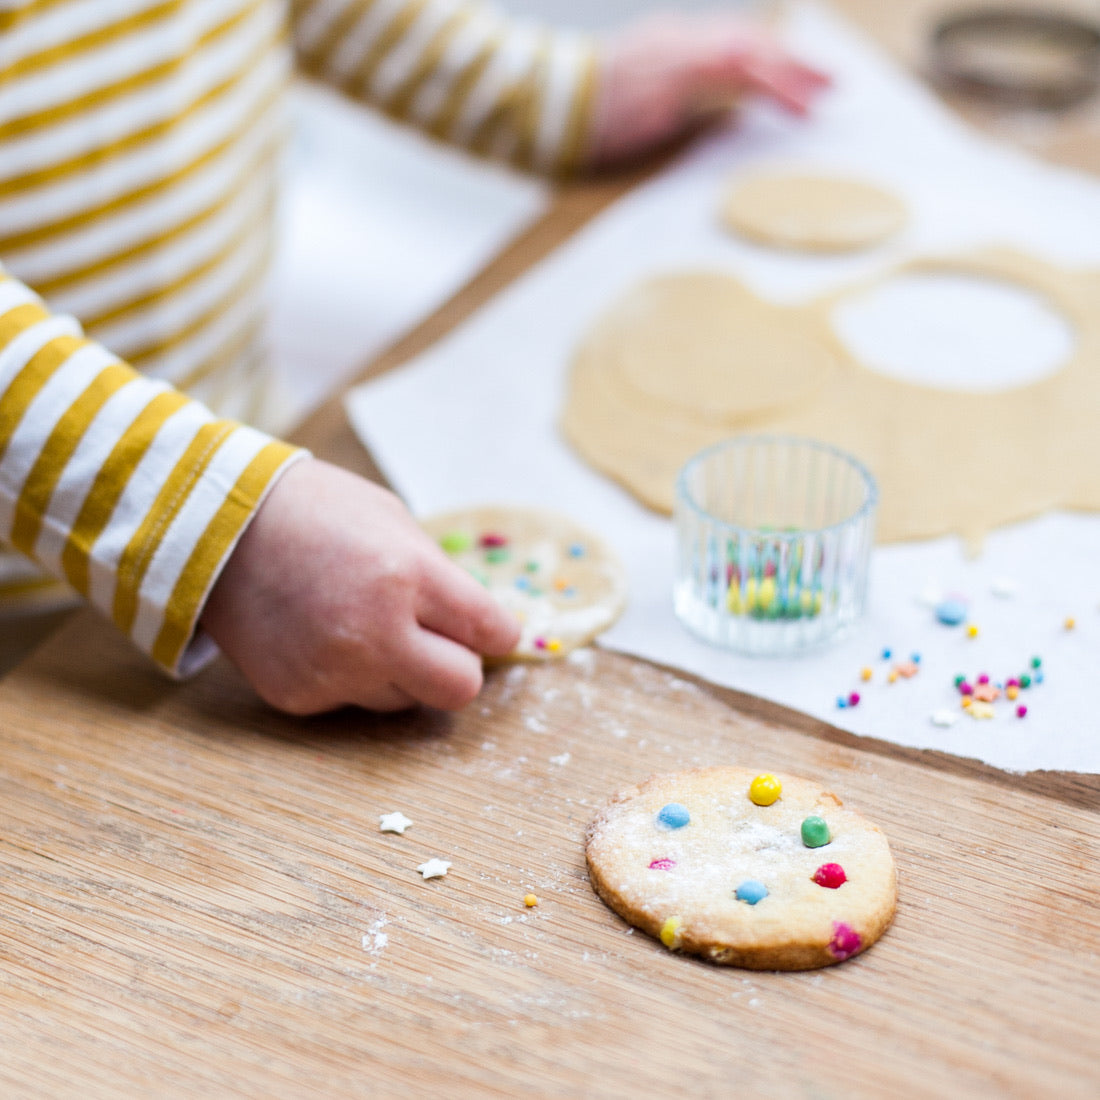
{"x": 562, "y": 582}
{"x": 744, "y": 868}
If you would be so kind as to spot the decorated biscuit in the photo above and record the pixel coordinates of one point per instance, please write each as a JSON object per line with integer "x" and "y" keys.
{"x": 747, "y": 869}
{"x": 563, "y": 583}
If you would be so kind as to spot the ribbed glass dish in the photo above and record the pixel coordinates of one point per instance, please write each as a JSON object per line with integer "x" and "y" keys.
{"x": 774, "y": 538}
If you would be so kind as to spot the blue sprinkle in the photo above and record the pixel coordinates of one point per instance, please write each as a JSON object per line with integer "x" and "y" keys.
{"x": 673, "y": 816}
{"x": 915, "y": 658}
{"x": 841, "y": 702}
{"x": 570, "y": 591}
{"x": 576, "y": 550}
{"x": 887, "y": 654}
{"x": 751, "y": 891}
{"x": 522, "y": 583}
{"x": 951, "y": 612}
{"x": 1038, "y": 678}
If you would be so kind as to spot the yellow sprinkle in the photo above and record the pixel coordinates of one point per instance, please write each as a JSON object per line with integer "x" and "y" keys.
{"x": 979, "y": 709}
{"x": 966, "y": 701}
{"x": 561, "y": 584}
{"x": 893, "y": 677}
{"x": 765, "y": 789}
{"x": 553, "y": 645}
{"x": 1071, "y": 623}
{"x": 972, "y": 631}
{"x": 670, "y": 933}
{"x": 1012, "y": 691}
{"x": 866, "y": 675}
{"x": 530, "y": 901}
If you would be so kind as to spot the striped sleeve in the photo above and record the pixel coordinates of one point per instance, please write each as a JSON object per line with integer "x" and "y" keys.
{"x": 460, "y": 71}
{"x": 118, "y": 484}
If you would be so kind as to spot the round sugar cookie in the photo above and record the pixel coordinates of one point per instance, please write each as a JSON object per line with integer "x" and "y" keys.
{"x": 751, "y": 870}
{"x": 812, "y": 213}
{"x": 563, "y": 583}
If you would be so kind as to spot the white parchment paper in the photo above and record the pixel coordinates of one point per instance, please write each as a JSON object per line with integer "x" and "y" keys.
{"x": 474, "y": 420}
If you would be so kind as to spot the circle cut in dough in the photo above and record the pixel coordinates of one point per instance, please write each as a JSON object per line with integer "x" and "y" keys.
{"x": 812, "y": 213}
{"x": 695, "y": 861}
{"x": 562, "y": 582}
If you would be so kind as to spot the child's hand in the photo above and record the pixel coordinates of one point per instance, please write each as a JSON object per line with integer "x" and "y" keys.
{"x": 334, "y": 595}
{"x": 665, "y": 74}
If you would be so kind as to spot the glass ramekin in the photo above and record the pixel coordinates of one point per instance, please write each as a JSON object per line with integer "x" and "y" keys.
{"x": 774, "y": 537}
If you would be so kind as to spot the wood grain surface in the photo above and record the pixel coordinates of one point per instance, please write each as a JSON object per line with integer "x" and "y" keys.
{"x": 196, "y": 890}
{"x": 196, "y": 900}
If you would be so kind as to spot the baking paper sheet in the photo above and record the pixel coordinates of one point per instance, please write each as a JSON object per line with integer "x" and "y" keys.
{"x": 474, "y": 419}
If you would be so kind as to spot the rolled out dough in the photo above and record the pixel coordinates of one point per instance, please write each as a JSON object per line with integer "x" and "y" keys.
{"x": 812, "y": 213}
{"x": 946, "y": 462}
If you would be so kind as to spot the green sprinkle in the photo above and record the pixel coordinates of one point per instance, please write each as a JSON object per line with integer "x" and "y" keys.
{"x": 815, "y": 832}
{"x": 1036, "y": 662}
{"x": 496, "y": 554}
{"x": 531, "y": 566}
{"x": 1025, "y": 681}
{"x": 454, "y": 542}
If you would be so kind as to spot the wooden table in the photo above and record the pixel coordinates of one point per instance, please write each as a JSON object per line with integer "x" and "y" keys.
{"x": 195, "y": 897}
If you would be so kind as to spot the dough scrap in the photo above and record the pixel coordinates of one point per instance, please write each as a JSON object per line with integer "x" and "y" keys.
{"x": 947, "y": 462}
{"x": 680, "y": 884}
{"x": 811, "y": 213}
{"x": 564, "y": 584}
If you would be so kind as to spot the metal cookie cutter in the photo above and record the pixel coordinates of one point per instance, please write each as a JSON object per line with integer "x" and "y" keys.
{"x": 1027, "y": 57}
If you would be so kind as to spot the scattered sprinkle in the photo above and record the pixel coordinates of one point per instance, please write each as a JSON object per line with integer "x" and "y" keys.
{"x": 434, "y": 868}
{"x": 945, "y": 718}
{"x": 530, "y": 901}
{"x": 978, "y": 709}
{"x": 560, "y": 760}
{"x": 853, "y": 699}
{"x": 887, "y": 654}
{"x": 396, "y": 822}
{"x": 865, "y": 674}
{"x": 1070, "y": 622}
{"x": 662, "y": 864}
{"x": 670, "y": 932}
{"x": 972, "y": 630}
{"x": 951, "y": 612}
{"x": 1021, "y": 711}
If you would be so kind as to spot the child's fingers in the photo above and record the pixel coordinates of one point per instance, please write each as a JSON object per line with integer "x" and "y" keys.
{"x": 454, "y": 605}
{"x": 437, "y": 671}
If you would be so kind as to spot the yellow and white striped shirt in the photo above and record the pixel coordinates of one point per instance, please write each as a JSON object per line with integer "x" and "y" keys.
{"x": 138, "y": 151}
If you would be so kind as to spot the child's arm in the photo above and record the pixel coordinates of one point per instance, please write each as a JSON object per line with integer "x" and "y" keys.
{"x": 137, "y": 496}
{"x": 542, "y": 99}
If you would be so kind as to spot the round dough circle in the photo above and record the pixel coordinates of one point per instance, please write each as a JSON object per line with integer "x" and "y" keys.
{"x": 736, "y": 354}
{"x": 563, "y": 583}
{"x": 679, "y": 884}
{"x": 812, "y": 213}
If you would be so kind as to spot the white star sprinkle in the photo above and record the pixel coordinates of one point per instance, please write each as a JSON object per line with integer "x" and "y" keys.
{"x": 434, "y": 868}
{"x": 944, "y": 717}
{"x": 396, "y": 822}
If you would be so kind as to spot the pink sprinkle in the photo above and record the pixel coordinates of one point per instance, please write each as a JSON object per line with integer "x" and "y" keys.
{"x": 1012, "y": 683}
{"x": 540, "y": 643}
{"x": 663, "y": 864}
{"x": 853, "y": 699}
{"x": 490, "y": 540}
{"x": 830, "y": 875}
{"x": 983, "y": 679}
{"x": 846, "y": 941}
{"x": 1021, "y": 710}
{"x": 966, "y": 688}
